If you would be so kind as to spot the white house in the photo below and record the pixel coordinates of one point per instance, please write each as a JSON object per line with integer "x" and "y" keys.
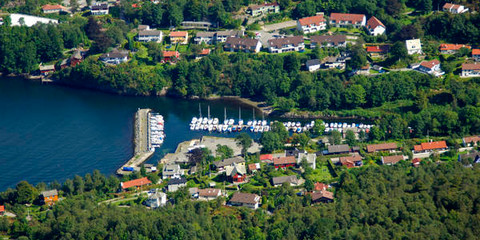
{"x": 288, "y": 44}
{"x": 347, "y": 19}
{"x": 221, "y": 36}
{"x": 471, "y": 70}
{"x": 156, "y": 199}
{"x": 431, "y": 67}
{"x": 208, "y": 194}
{"x": 175, "y": 183}
{"x": 313, "y": 65}
{"x": 328, "y": 41}
{"x": 414, "y": 46}
{"x": 312, "y": 24}
{"x": 150, "y": 36}
{"x": 249, "y": 45}
{"x": 476, "y": 54}
{"x": 115, "y": 57}
{"x": 99, "y": 9}
{"x": 375, "y": 27}
{"x": 172, "y": 171}
{"x": 47, "y": 9}
{"x": 258, "y": 10}
{"x": 29, "y": 20}
{"x": 204, "y": 37}
{"x": 245, "y": 200}
{"x": 454, "y": 8}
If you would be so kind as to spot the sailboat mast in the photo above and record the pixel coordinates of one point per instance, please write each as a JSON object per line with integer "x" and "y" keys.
{"x": 200, "y": 110}
{"x": 208, "y": 111}
{"x": 253, "y": 113}
{"x": 224, "y": 114}
{"x": 239, "y": 113}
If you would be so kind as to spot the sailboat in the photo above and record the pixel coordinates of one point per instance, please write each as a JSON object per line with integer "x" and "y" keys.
{"x": 240, "y": 120}
{"x": 209, "y": 121}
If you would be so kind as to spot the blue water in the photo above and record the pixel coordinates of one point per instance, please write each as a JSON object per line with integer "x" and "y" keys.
{"x": 50, "y": 132}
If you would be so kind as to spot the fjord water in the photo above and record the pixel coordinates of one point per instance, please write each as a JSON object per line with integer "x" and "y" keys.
{"x": 50, "y": 132}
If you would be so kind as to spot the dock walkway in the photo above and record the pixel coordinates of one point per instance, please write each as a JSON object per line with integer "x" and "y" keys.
{"x": 142, "y": 149}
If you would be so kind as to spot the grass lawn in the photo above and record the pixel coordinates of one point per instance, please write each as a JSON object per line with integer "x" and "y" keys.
{"x": 182, "y": 48}
{"x": 321, "y": 174}
{"x": 351, "y": 30}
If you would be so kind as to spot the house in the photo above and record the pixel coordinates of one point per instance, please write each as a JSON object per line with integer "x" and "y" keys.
{"x": 196, "y": 25}
{"x": 471, "y": 141}
{"x": 476, "y": 54}
{"x": 375, "y": 27}
{"x": 382, "y": 147}
{"x": 2, "y": 210}
{"x": 205, "y": 52}
{"x": 220, "y": 165}
{"x": 431, "y": 67}
{"x": 245, "y": 200}
{"x": 470, "y": 70}
{"x": 334, "y": 62}
{"x": 258, "y": 10}
{"x": 337, "y": 149}
{"x": 446, "y": 48}
{"x": 328, "y": 41}
{"x": 114, "y": 57}
{"x": 351, "y": 161}
{"x": 365, "y": 70}
{"x": 454, "y": 8}
{"x": 150, "y": 36}
{"x": 170, "y": 56}
{"x": 318, "y": 186}
{"x": 309, "y": 157}
{"x": 143, "y": 28}
{"x": 378, "y": 51}
{"x": 49, "y": 197}
{"x": 150, "y": 168}
{"x": 288, "y": 44}
{"x": 178, "y": 37}
{"x": 430, "y": 146}
{"x": 46, "y": 69}
{"x": 64, "y": 64}
{"x": 235, "y": 44}
{"x": 175, "y": 183}
{"x": 76, "y": 58}
{"x": 47, "y": 9}
{"x": 204, "y": 37}
{"x": 416, "y": 162}
{"x": 473, "y": 157}
{"x": 221, "y": 36}
{"x": 268, "y": 158}
{"x": 171, "y": 171}
{"x": 414, "y": 46}
{"x": 156, "y": 199}
{"x": 391, "y": 160}
{"x": 284, "y": 162}
{"x": 236, "y": 173}
{"x": 137, "y": 183}
{"x": 208, "y": 194}
{"x": 322, "y": 196}
{"x": 278, "y": 181}
{"x": 313, "y": 65}
{"x": 253, "y": 167}
{"x": 347, "y": 19}
{"x": 99, "y": 9}
{"x": 311, "y": 24}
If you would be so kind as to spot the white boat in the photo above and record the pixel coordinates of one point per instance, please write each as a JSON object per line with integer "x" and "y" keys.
{"x": 266, "y": 129}
{"x": 254, "y": 123}
{"x": 249, "y": 123}
{"x": 299, "y": 130}
{"x": 224, "y": 128}
{"x": 219, "y": 128}
{"x": 210, "y": 128}
{"x": 225, "y": 122}
{"x": 231, "y": 121}
{"x": 215, "y": 121}
{"x": 260, "y": 129}
{"x": 210, "y": 121}
{"x": 197, "y": 127}
{"x": 251, "y": 128}
{"x": 255, "y": 129}
{"x": 264, "y": 123}
{"x": 289, "y": 124}
{"x": 192, "y": 127}
{"x": 298, "y": 124}
{"x": 194, "y": 120}
{"x": 240, "y": 122}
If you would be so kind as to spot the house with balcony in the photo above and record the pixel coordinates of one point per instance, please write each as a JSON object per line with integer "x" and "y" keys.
{"x": 446, "y": 48}
{"x": 245, "y": 200}
{"x": 392, "y": 160}
{"x": 262, "y": 9}
{"x": 414, "y": 46}
{"x": 348, "y": 20}
{"x": 248, "y": 45}
{"x": 99, "y": 9}
{"x": 328, "y": 41}
{"x": 375, "y": 27}
{"x": 180, "y": 37}
{"x": 476, "y": 54}
{"x": 150, "y": 36}
{"x": 311, "y": 24}
{"x": 470, "y": 70}
{"x": 204, "y": 37}
{"x": 114, "y": 57}
{"x": 431, "y": 67}
{"x": 288, "y": 44}
{"x": 57, "y": 8}
{"x": 454, "y": 8}
{"x": 428, "y": 147}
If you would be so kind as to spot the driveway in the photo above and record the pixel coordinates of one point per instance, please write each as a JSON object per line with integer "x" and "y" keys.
{"x": 278, "y": 26}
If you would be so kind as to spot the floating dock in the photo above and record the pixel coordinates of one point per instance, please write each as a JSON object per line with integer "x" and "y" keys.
{"x": 142, "y": 145}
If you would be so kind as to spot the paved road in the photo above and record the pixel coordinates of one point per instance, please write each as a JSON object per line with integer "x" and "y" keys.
{"x": 278, "y": 26}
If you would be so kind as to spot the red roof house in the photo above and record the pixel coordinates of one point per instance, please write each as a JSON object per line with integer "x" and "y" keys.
{"x": 320, "y": 186}
{"x": 285, "y": 162}
{"x": 375, "y": 27}
{"x": 430, "y": 146}
{"x": 2, "y": 210}
{"x": 381, "y": 147}
{"x": 391, "y": 160}
{"x": 53, "y": 8}
{"x": 446, "y": 48}
{"x": 347, "y": 19}
{"x": 170, "y": 56}
{"x": 266, "y": 157}
{"x": 322, "y": 196}
{"x": 135, "y": 183}
{"x": 351, "y": 161}
{"x": 476, "y": 54}
{"x": 416, "y": 162}
{"x": 472, "y": 140}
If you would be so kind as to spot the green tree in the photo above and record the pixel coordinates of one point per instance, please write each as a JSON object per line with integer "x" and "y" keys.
{"x": 355, "y": 95}
{"x": 155, "y": 51}
{"x": 335, "y": 137}
{"x": 350, "y": 138}
{"x": 74, "y": 5}
{"x": 244, "y": 140}
{"x": 284, "y": 4}
{"x": 224, "y": 151}
{"x": 270, "y": 142}
{"x": 318, "y": 128}
{"x": 26, "y": 193}
{"x": 359, "y": 57}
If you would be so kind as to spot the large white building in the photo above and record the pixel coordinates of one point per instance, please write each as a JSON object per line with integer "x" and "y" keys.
{"x": 347, "y": 19}
{"x": 454, "y": 8}
{"x": 28, "y": 20}
{"x": 288, "y": 44}
{"x": 312, "y": 24}
{"x": 99, "y": 9}
{"x": 471, "y": 70}
{"x": 150, "y": 36}
{"x": 414, "y": 46}
{"x": 375, "y": 27}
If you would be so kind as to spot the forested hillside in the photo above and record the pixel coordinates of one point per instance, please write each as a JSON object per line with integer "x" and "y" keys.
{"x": 388, "y": 202}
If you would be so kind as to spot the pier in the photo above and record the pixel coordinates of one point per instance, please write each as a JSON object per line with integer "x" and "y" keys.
{"x": 141, "y": 140}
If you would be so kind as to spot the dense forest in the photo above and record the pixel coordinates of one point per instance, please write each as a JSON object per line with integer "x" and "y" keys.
{"x": 434, "y": 201}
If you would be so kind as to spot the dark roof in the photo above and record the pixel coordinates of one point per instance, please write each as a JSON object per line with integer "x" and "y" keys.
{"x": 205, "y": 34}
{"x": 239, "y": 197}
{"x": 292, "y": 179}
{"x": 474, "y": 156}
{"x": 150, "y": 32}
{"x": 175, "y": 181}
{"x": 50, "y": 193}
{"x": 381, "y": 147}
{"x": 279, "y": 42}
{"x": 392, "y": 159}
{"x": 335, "y": 39}
{"x": 229, "y": 161}
{"x": 312, "y": 62}
{"x": 102, "y": 6}
{"x": 115, "y": 54}
{"x": 235, "y": 42}
{"x": 338, "y": 148}
{"x": 322, "y": 194}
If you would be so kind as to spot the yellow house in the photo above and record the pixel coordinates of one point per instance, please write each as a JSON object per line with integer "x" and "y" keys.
{"x": 180, "y": 37}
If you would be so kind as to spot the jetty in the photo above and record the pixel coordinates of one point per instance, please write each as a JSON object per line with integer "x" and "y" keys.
{"x": 142, "y": 145}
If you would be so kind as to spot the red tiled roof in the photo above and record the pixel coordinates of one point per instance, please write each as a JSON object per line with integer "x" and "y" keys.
{"x": 239, "y": 197}
{"x": 136, "y": 183}
{"x": 450, "y": 6}
{"x": 252, "y": 166}
{"x": 430, "y": 64}
{"x": 378, "y": 49}
{"x": 416, "y": 161}
{"x": 2, "y": 208}
{"x": 52, "y": 7}
{"x": 475, "y": 51}
{"x": 171, "y": 54}
{"x": 381, "y": 147}
{"x": 373, "y": 23}
{"x": 447, "y": 46}
{"x": 254, "y": 7}
{"x": 471, "y": 66}
{"x": 322, "y": 194}
{"x": 284, "y": 160}
{"x": 205, "y": 51}
{"x": 208, "y": 192}
{"x": 354, "y": 18}
{"x": 266, "y": 157}
{"x": 178, "y": 34}
{"x": 474, "y": 139}
{"x": 311, "y": 20}
{"x": 320, "y": 186}
{"x": 392, "y": 159}
{"x": 430, "y": 146}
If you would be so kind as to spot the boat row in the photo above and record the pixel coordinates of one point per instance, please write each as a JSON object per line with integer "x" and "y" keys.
{"x": 157, "y": 134}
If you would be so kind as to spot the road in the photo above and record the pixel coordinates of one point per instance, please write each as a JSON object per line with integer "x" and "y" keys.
{"x": 278, "y": 26}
